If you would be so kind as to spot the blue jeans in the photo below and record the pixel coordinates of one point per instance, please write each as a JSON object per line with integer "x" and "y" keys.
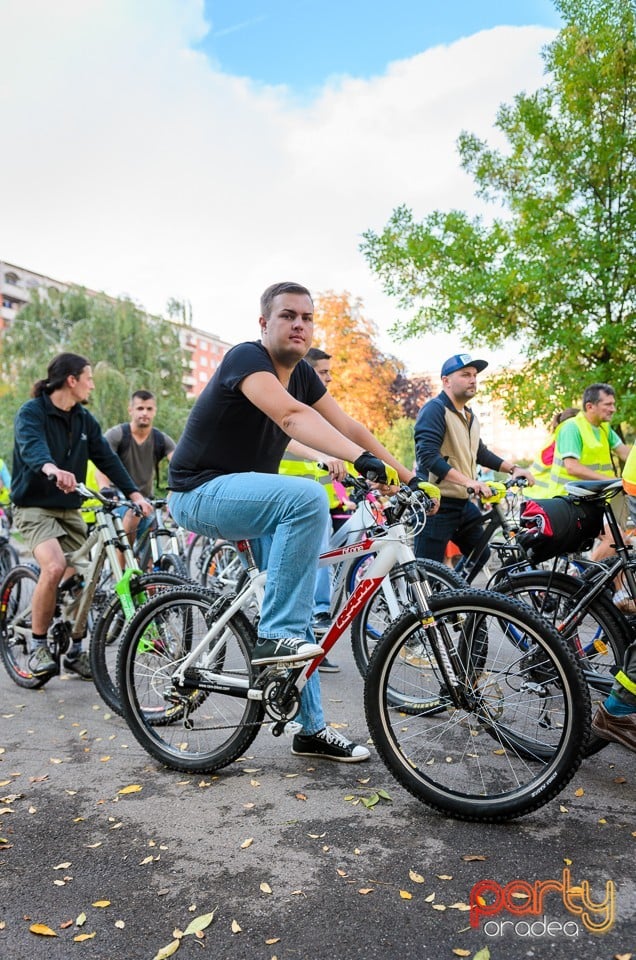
{"x": 284, "y": 519}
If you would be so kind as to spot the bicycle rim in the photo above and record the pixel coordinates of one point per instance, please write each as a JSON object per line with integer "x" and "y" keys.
{"x": 187, "y": 728}
{"x": 518, "y": 738}
{"x": 109, "y": 630}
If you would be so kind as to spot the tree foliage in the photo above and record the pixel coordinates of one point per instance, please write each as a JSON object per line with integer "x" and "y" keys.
{"x": 363, "y": 376}
{"x": 127, "y": 349}
{"x": 556, "y": 271}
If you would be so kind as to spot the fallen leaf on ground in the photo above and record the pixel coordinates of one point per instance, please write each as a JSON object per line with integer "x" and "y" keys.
{"x": 265, "y": 887}
{"x": 405, "y": 895}
{"x": 199, "y": 923}
{"x": 42, "y": 930}
{"x": 80, "y": 937}
{"x": 167, "y": 951}
{"x": 236, "y": 927}
{"x": 133, "y": 788}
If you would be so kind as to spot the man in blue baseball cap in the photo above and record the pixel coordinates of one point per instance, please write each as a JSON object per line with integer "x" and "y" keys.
{"x": 448, "y": 450}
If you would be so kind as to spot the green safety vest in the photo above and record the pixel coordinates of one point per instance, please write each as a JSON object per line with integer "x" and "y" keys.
{"x": 596, "y": 454}
{"x": 293, "y": 466}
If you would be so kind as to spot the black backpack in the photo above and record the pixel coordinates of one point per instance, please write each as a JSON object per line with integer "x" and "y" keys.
{"x": 159, "y": 446}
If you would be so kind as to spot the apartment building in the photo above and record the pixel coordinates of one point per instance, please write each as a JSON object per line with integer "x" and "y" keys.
{"x": 205, "y": 350}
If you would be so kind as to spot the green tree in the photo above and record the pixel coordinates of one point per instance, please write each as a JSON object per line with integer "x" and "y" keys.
{"x": 128, "y": 351}
{"x": 400, "y": 441}
{"x": 556, "y": 271}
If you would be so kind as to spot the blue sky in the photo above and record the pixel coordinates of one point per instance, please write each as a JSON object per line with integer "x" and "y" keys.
{"x": 203, "y": 149}
{"x": 303, "y": 43}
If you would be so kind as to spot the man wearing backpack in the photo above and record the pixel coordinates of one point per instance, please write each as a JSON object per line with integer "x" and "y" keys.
{"x": 141, "y": 447}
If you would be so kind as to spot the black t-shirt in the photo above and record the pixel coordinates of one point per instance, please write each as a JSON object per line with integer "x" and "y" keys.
{"x": 225, "y": 432}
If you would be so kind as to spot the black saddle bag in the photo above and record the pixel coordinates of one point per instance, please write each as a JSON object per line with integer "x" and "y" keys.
{"x": 557, "y": 526}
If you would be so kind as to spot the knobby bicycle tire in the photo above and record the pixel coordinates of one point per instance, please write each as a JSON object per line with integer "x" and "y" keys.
{"x": 109, "y": 629}
{"x": 172, "y": 563}
{"x": 9, "y": 558}
{"x": 519, "y": 737}
{"x": 599, "y": 641}
{"x": 190, "y": 729}
{"x": 16, "y": 596}
{"x": 375, "y": 617}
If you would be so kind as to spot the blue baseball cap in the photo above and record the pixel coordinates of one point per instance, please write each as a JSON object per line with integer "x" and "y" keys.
{"x": 460, "y": 360}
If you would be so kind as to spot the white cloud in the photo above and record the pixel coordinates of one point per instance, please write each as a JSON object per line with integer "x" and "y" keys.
{"x": 131, "y": 165}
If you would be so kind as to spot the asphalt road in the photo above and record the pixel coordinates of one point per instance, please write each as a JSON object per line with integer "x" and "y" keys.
{"x": 288, "y": 866}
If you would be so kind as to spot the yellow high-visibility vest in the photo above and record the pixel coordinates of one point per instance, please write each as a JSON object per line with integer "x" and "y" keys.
{"x": 629, "y": 473}
{"x": 544, "y": 486}
{"x": 293, "y": 466}
{"x": 596, "y": 454}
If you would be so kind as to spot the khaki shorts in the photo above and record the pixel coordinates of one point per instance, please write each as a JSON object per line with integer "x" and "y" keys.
{"x": 37, "y": 524}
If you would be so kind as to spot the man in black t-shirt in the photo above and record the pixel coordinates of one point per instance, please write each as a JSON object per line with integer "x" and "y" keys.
{"x": 225, "y": 483}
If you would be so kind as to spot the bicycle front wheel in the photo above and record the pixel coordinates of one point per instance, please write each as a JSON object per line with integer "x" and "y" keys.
{"x": 509, "y": 736}
{"x": 390, "y": 601}
{"x": 109, "y": 629}
{"x": 207, "y": 721}
{"x": 16, "y": 597}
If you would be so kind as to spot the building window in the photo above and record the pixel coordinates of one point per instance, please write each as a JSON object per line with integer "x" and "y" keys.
{"x": 12, "y": 278}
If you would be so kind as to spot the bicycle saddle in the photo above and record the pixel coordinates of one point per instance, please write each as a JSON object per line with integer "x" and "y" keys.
{"x": 594, "y": 488}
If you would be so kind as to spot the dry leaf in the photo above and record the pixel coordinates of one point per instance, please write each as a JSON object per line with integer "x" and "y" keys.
{"x": 265, "y": 887}
{"x": 438, "y": 906}
{"x": 81, "y": 920}
{"x": 272, "y": 940}
{"x": 167, "y": 951}
{"x": 101, "y": 903}
{"x": 247, "y": 843}
{"x": 459, "y": 906}
{"x": 120, "y": 924}
{"x": 199, "y": 923}
{"x": 133, "y": 788}
{"x": 405, "y": 895}
{"x": 42, "y": 930}
{"x": 366, "y": 890}
{"x": 623, "y": 956}
{"x": 461, "y": 953}
{"x": 341, "y": 873}
{"x": 580, "y": 792}
{"x": 80, "y": 937}
{"x": 469, "y": 857}
{"x": 236, "y": 927}
{"x": 483, "y": 954}
{"x": 301, "y": 796}
{"x": 63, "y": 866}
{"x": 443, "y": 876}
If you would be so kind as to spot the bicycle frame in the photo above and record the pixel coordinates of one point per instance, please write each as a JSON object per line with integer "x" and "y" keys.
{"x": 389, "y": 550}
{"x": 110, "y": 539}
